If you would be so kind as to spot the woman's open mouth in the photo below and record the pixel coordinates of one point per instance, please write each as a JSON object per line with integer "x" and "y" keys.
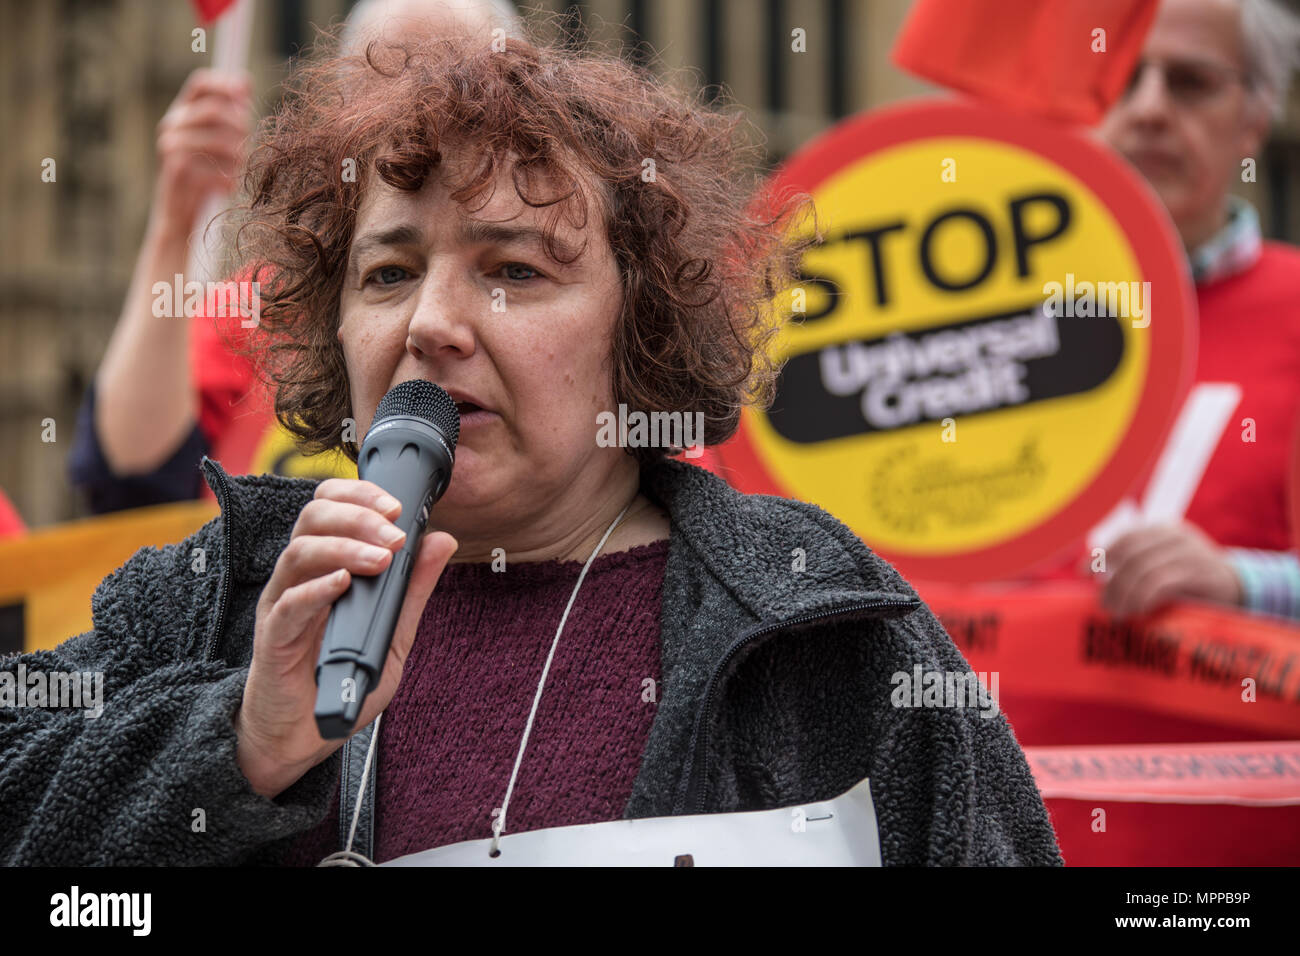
{"x": 472, "y": 415}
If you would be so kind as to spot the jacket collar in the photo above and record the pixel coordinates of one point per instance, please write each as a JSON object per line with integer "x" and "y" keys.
{"x": 778, "y": 558}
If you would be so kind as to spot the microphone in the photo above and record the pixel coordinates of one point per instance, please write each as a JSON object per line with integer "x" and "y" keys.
{"x": 408, "y": 451}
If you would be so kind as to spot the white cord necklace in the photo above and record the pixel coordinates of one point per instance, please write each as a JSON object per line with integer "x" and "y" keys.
{"x": 349, "y": 857}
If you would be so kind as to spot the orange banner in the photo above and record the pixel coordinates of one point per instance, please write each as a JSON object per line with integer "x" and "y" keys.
{"x": 48, "y": 576}
{"x": 1194, "y": 661}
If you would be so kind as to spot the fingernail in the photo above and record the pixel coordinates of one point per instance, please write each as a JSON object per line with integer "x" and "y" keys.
{"x": 371, "y": 553}
{"x": 389, "y": 503}
{"x": 393, "y": 534}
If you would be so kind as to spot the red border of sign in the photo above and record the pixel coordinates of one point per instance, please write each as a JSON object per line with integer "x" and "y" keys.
{"x": 1139, "y": 214}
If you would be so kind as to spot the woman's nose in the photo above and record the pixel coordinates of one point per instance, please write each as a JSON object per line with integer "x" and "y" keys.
{"x": 444, "y": 319}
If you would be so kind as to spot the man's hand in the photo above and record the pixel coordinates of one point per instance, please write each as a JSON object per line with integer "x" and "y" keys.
{"x": 1150, "y": 567}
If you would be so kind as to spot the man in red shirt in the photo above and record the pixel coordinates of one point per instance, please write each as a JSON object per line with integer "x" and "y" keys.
{"x": 1212, "y": 75}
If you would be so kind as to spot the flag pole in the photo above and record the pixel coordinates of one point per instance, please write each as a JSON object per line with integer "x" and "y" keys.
{"x": 230, "y": 50}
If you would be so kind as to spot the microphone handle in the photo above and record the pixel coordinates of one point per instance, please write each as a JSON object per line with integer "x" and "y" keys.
{"x": 370, "y": 606}
{"x": 415, "y": 471}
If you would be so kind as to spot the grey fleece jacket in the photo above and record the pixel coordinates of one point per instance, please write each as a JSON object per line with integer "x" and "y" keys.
{"x": 775, "y": 692}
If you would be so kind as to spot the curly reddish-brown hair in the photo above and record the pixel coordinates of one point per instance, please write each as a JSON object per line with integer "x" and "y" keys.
{"x": 699, "y": 258}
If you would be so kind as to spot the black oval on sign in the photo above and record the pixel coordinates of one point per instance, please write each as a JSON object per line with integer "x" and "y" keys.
{"x": 979, "y": 366}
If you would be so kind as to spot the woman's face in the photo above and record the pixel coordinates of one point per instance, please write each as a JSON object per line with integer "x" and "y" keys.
{"x": 473, "y": 303}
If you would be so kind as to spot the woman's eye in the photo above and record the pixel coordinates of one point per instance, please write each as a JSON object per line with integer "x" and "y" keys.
{"x": 388, "y": 275}
{"x": 519, "y": 266}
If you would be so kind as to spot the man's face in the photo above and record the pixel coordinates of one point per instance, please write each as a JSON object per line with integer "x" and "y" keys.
{"x": 1188, "y": 120}
{"x": 470, "y": 300}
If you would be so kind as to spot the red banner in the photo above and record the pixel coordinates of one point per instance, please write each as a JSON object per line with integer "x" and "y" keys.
{"x": 1231, "y": 804}
{"x": 1246, "y": 774}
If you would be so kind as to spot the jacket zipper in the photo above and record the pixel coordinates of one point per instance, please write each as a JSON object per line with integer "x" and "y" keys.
{"x": 693, "y": 795}
{"x": 223, "y": 500}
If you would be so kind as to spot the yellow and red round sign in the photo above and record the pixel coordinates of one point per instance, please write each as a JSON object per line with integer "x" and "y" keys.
{"x": 987, "y": 348}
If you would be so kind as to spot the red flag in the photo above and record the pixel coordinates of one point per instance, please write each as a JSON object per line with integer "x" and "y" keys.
{"x": 210, "y": 10}
{"x": 1061, "y": 59}
{"x": 11, "y": 525}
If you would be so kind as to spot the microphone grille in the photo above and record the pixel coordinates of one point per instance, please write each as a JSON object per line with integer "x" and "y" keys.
{"x": 420, "y": 399}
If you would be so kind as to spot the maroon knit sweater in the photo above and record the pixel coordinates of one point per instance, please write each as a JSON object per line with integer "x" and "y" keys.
{"x": 447, "y": 741}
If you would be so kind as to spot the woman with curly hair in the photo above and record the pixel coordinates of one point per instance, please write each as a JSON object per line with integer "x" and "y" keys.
{"x": 591, "y": 632}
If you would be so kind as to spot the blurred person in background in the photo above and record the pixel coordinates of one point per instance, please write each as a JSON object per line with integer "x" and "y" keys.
{"x": 172, "y": 389}
{"x": 1212, "y": 76}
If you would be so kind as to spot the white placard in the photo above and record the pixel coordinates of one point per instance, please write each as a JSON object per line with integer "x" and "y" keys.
{"x": 1182, "y": 463}
{"x": 837, "y": 832}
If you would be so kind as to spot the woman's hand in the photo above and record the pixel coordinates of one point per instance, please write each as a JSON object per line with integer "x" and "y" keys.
{"x": 347, "y": 529}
